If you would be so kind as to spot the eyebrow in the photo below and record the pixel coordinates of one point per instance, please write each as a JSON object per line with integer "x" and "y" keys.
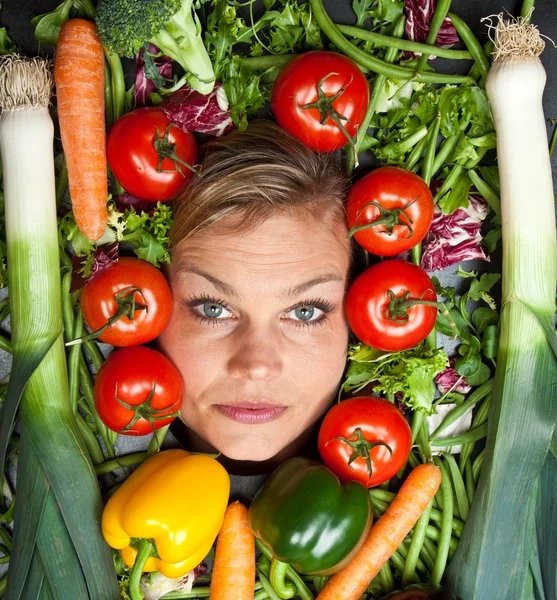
{"x": 291, "y": 292}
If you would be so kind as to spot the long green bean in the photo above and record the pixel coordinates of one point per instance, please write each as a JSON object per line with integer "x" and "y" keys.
{"x": 470, "y": 483}
{"x": 73, "y": 362}
{"x": 455, "y": 171}
{"x": 445, "y": 150}
{"x": 441, "y": 10}
{"x": 416, "y": 546}
{"x": 374, "y": 64}
{"x": 5, "y": 344}
{"x": 277, "y": 575}
{"x": 401, "y": 44}
{"x": 429, "y": 159}
{"x": 470, "y": 436}
{"x": 267, "y": 586}
{"x": 458, "y": 486}
{"x": 416, "y": 153}
{"x": 90, "y": 346}
{"x": 479, "y": 419}
{"x": 446, "y": 524}
{"x": 477, "y": 466}
{"x": 376, "y": 91}
{"x": 91, "y": 441}
{"x": 478, "y": 394}
{"x": 472, "y": 43}
{"x": 386, "y": 578}
{"x": 108, "y": 100}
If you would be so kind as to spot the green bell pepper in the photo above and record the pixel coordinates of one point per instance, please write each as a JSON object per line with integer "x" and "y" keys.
{"x": 309, "y": 519}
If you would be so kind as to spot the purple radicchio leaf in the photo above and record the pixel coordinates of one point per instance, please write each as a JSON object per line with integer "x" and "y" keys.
{"x": 125, "y": 201}
{"x": 449, "y": 377}
{"x": 151, "y": 74}
{"x": 418, "y": 19}
{"x": 203, "y": 113}
{"x": 455, "y": 238}
{"x": 103, "y": 258}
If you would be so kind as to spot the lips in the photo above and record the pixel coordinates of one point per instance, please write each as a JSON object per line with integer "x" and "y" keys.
{"x": 251, "y": 413}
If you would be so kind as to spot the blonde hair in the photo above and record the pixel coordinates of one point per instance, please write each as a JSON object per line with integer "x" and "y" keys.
{"x": 258, "y": 172}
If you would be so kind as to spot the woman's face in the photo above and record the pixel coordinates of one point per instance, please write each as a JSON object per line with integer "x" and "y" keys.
{"x": 258, "y": 330}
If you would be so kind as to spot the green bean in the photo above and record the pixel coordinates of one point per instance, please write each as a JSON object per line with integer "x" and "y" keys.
{"x": 319, "y": 582}
{"x": 386, "y": 578}
{"x": 91, "y": 441}
{"x": 477, "y": 466}
{"x": 377, "y": 89}
{"x": 470, "y": 436}
{"x": 94, "y": 353}
{"x": 196, "y": 592}
{"x": 6, "y": 538}
{"x": 88, "y": 392}
{"x": 459, "y": 410}
{"x": 458, "y": 486}
{"x": 472, "y": 43}
{"x": 470, "y": 484}
{"x": 479, "y": 418}
{"x": 435, "y": 24}
{"x": 416, "y": 254}
{"x": 403, "y": 550}
{"x": 277, "y": 576}
{"x": 429, "y": 159}
{"x": 416, "y": 544}
{"x": 5, "y": 344}
{"x": 445, "y": 151}
{"x": 374, "y": 64}
{"x": 267, "y": 586}
{"x": 446, "y": 524}
{"x": 424, "y": 443}
{"x": 448, "y": 183}
{"x": 5, "y": 309}
{"x": 407, "y": 45}
{"x": 73, "y": 362}
{"x": 108, "y": 107}
{"x": 490, "y": 196}
{"x": 263, "y": 63}
{"x": 261, "y": 595}
{"x": 416, "y": 153}
{"x": 118, "y": 84}
{"x": 67, "y": 308}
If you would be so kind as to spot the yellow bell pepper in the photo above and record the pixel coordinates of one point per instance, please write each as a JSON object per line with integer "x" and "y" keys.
{"x": 173, "y": 506}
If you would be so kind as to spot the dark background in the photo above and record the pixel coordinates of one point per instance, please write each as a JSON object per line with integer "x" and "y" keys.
{"x": 15, "y": 15}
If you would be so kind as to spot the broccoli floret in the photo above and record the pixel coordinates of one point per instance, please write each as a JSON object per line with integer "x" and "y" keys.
{"x": 125, "y": 26}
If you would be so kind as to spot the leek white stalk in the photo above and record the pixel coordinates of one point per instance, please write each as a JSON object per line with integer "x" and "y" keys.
{"x": 57, "y": 540}
{"x": 497, "y": 556}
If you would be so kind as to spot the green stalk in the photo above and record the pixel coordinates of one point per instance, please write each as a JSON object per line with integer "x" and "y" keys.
{"x": 369, "y": 62}
{"x": 441, "y": 10}
{"x": 52, "y": 435}
{"x": 394, "y": 41}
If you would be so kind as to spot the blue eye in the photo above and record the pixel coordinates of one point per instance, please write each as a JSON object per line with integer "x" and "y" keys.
{"x": 306, "y": 313}
{"x": 213, "y": 310}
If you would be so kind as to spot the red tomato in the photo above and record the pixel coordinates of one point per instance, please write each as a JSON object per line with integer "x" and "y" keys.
{"x": 144, "y": 380}
{"x": 364, "y": 421}
{"x": 369, "y": 298}
{"x": 393, "y": 189}
{"x": 298, "y": 85}
{"x": 133, "y": 156}
{"x": 99, "y": 302}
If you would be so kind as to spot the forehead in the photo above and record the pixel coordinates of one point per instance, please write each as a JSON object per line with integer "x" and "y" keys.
{"x": 284, "y": 247}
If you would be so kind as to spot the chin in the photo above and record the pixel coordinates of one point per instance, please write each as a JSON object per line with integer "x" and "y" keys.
{"x": 253, "y": 452}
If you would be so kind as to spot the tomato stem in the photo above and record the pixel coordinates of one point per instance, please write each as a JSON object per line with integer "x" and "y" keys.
{"x": 324, "y": 104}
{"x": 146, "y": 411}
{"x": 361, "y": 448}
{"x": 388, "y": 217}
{"x": 398, "y": 307}
{"x": 127, "y": 306}
{"x": 167, "y": 149}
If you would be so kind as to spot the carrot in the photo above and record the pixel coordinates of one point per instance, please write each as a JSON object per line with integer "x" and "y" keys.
{"x": 233, "y": 575}
{"x": 79, "y": 79}
{"x": 386, "y": 535}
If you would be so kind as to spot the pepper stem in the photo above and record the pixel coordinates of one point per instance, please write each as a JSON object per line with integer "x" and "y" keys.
{"x": 127, "y": 305}
{"x": 361, "y": 448}
{"x": 277, "y": 577}
{"x": 388, "y": 217}
{"x": 145, "y": 550}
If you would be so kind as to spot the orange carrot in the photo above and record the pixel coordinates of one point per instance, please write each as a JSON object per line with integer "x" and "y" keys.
{"x": 79, "y": 79}
{"x": 233, "y": 575}
{"x": 386, "y": 535}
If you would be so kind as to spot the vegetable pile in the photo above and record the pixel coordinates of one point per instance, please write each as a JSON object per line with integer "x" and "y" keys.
{"x": 439, "y": 462}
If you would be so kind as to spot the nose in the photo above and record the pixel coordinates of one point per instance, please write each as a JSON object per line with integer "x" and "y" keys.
{"x": 256, "y": 354}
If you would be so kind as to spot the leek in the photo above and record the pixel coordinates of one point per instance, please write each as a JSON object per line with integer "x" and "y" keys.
{"x": 498, "y": 556}
{"x": 57, "y": 545}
